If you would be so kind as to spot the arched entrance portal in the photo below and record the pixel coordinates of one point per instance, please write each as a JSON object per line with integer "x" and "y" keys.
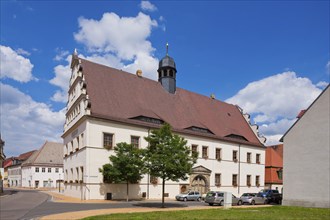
{"x": 199, "y": 184}
{"x": 200, "y": 179}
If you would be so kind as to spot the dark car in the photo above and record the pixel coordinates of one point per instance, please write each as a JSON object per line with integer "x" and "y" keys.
{"x": 191, "y": 195}
{"x": 272, "y": 195}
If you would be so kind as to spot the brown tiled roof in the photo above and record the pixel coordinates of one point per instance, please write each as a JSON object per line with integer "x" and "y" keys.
{"x": 50, "y": 153}
{"x": 118, "y": 95}
{"x": 25, "y": 156}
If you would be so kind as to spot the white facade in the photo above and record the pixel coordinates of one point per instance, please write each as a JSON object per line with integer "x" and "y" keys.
{"x": 83, "y": 179}
{"x": 41, "y": 176}
{"x": 84, "y": 155}
{"x": 14, "y": 176}
{"x": 307, "y": 157}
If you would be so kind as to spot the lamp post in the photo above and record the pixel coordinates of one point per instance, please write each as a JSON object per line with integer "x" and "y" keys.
{"x": 59, "y": 182}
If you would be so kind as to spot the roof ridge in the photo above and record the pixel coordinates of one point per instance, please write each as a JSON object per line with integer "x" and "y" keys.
{"x": 39, "y": 151}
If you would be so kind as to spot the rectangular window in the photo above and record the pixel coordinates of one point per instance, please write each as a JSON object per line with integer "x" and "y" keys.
{"x": 77, "y": 171}
{"x": 107, "y": 141}
{"x": 153, "y": 180}
{"x": 135, "y": 141}
{"x": 258, "y": 158}
{"x": 194, "y": 148}
{"x": 218, "y": 153}
{"x": 43, "y": 169}
{"x": 234, "y": 180}
{"x": 37, "y": 169}
{"x": 257, "y": 180}
{"x": 204, "y": 152}
{"x": 49, "y": 170}
{"x": 248, "y": 157}
{"x": 56, "y": 170}
{"x": 235, "y": 155}
{"x": 82, "y": 174}
{"x": 218, "y": 179}
{"x": 280, "y": 174}
{"x": 248, "y": 180}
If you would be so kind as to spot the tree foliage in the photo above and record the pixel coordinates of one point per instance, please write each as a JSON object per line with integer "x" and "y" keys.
{"x": 168, "y": 157}
{"x": 127, "y": 165}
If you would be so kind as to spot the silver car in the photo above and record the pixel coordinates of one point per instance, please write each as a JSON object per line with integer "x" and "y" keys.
{"x": 253, "y": 198}
{"x": 192, "y": 195}
{"x": 247, "y": 197}
{"x": 214, "y": 197}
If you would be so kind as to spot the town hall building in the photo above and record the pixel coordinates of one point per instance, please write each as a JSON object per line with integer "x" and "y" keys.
{"x": 107, "y": 106}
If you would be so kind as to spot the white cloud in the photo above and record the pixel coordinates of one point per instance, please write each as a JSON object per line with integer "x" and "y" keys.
{"x": 322, "y": 84}
{"x": 281, "y": 95}
{"x": 21, "y": 51}
{"x": 61, "y": 79}
{"x": 120, "y": 42}
{"x": 61, "y": 54}
{"x": 278, "y": 127}
{"x": 25, "y": 123}
{"x": 147, "y": 6}
{"x": 275, "y": 102}
{"x": 15, "y": 66}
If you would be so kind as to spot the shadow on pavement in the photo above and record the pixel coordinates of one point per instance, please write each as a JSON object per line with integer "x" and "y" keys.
{"x": 159, "y": 205}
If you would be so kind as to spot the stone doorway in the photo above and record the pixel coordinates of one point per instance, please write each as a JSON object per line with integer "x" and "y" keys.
{"x": 199, "y": 184}
{"x": 200, "y": 179}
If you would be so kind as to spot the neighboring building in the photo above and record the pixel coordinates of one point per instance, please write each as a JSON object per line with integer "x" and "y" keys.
{"x": 274, "y": 167}
{"x": 107, "y": 106}
{"x": 307, "y": 156}
{"x": 44, "y": 168}
{"x": 14, "y": 169}
{"x": 2, "y": 159}
{"x": 7, "y": 163}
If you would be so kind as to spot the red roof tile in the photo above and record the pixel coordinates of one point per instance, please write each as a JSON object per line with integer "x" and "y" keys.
{"x": 120, "y": 95}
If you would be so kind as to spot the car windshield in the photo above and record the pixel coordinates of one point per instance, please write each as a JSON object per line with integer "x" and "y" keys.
{"x": 210, "y": 194}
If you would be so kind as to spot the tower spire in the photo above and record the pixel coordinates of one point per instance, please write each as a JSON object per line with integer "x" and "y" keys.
{"x": 166, "y": 49}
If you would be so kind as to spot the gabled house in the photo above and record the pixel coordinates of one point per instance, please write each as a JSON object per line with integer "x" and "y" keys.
{"x": 14, "y": 171}
{"x": 44, "y": 168}
{"x": 274, "y": 167}
{"x": 306, "y": 173}
{"x": 107, "y": 106}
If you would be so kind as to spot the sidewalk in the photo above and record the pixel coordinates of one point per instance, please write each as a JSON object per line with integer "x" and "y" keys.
{"x": 57, "y": 197}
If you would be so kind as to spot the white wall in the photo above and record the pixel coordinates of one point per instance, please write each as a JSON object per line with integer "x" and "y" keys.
{"x": 46, "y": 179}
{"x": 306, "y": 158}
{"x": 93, "y": 156}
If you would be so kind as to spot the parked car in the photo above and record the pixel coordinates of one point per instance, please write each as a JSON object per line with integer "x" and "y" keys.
{"x": 247, "y": 198}
{"x": 272, "y": 195}
{"x": 191, "y": 195}
{"x": 254, "y": 198}
{"x": 214, "y": 197}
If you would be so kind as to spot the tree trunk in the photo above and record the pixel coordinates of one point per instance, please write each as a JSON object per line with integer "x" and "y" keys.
{"x": 163, "y": 205}
{"x": 127, "y": 191}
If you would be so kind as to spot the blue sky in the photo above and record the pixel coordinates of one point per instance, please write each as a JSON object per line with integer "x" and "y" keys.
{"x": 269, "y": 57}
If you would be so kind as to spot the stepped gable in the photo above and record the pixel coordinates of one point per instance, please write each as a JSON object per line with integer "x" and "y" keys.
{"x": 118, "y": 95}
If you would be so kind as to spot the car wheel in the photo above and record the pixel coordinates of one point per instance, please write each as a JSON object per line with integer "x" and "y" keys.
{"x": 185, "y": 199}
{"x": 199, "y": 199}
{"x": 221, "y": 203}
{"x": 239, "y": 202}
{"x": 210, "y": 204}
{"x": 265, "y": 202}
{"x": 253, "y": 202}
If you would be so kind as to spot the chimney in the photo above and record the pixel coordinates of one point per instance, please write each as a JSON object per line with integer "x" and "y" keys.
{"x": 139, "y": 73}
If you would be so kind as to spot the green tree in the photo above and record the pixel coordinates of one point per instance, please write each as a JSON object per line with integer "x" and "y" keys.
{"x": 127, "y": 165}
{"x": 168, "y": 157}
